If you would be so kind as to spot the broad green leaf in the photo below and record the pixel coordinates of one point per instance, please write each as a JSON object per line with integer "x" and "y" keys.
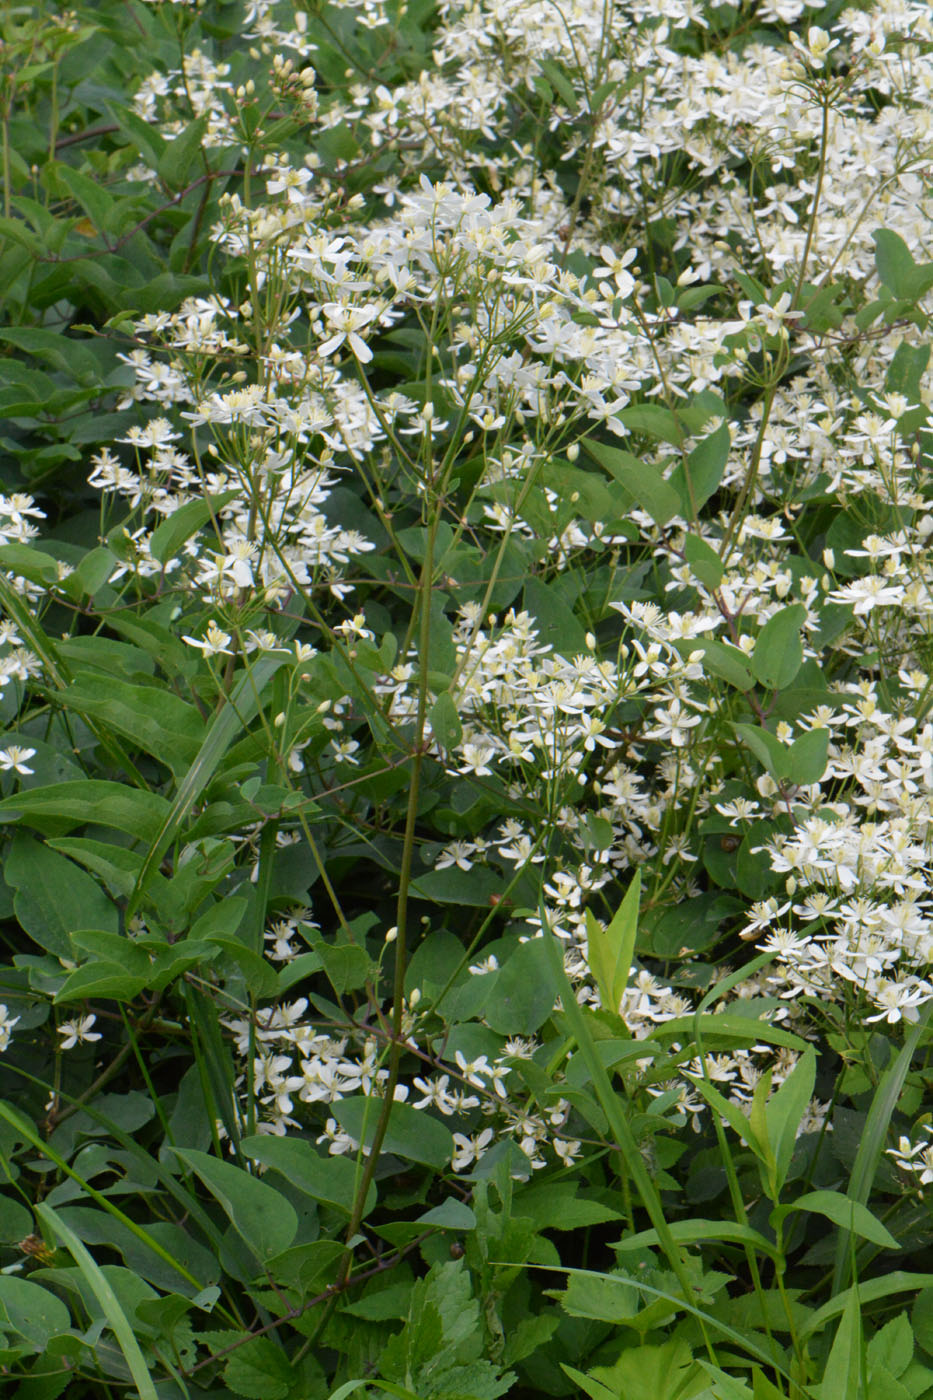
{"x": 168, "y": 538}
{"x": 843, "y": 1374}
{"x": 874, "y": 1138}
{"x": 31, "y": 1312}
{"x": 53, "y": 896}
{"x": 642, "y": 480}
{"x": 412, "y": 1134}
{"x": 842, "y": 1211}
{"x": 701, "y": 1232}
{"x": 806, "y": 758}
{"x": 895, "y": 264}
{"x": 524, "y": 992}
{"x": 91, "y": 802}
{"x": 332, "y": 1181}
{"x": 29, "y": 563}
{"x": 705, "y": 563}
{"x": 697, "y": 478}
{"x": 778, "y": 653}
{"x": 893, "y": 1346}
{"x": 452, "y": 1214}
{"x": 154, "y": 718}
{"x": 719, "y": 659}
{"x": 650, "y": 1372}
{"x": 445, "y": 722}
{"x": 262, "y": 1217}
{"x": 179, "y": 156}
{"x": 654, "y": 421}
{"x": 886, "y": 1286}
{"x": 260, "y": 1370}
{"x": 610, "y": 950}
{"x": 558, "y": 626}
{"x": 766, "y": 747}
{"x": 476, "y": 887}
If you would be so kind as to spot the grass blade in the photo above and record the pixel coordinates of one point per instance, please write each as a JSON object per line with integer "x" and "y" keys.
{"x": 109, "y": 1302}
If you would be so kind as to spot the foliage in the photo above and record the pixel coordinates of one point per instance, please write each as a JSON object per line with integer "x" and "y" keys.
{"x": 465, "y": 677}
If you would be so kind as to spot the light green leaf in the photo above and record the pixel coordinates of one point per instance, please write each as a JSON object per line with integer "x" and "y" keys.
{"x": 92, "y": 801}
{"x": 843, "y": 1211}
{"x": 610, "y": 950}
{"x": 783, "y": 1113}
{"x": 238, "y": 711}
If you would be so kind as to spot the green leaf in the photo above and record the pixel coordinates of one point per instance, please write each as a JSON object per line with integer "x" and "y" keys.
{"x": 696, "y": 479}
{"x": 873, "y": 1141}
{"x": 893, "y": 1346}
{"x": 157, "y": 720}
{"x": 168, "y": 538}
{"x": 332, "y": 1181}
{"x": 411, "y": 1134}
{"x": 705, "y": 563}
{"x": 29, "y": 563}
{"x": 767, "y": 748}
{"x": 445, "y": 722}
{"x": 93, "y": 801}
{"x": 642, "y": 481}
{"x": 31, "y": 1312}
{"x": 719, "y": 659}
{"x": 237, "y": 712}
{"x": 651, "y": 1372}
{"x": 805, "y": 760}
{"x": 610, "y": 950}
{"x": 701, "y": 1232}
{"x": 181, "y": 154}
{"x": 894, "y": 262}
{"x": 53, "y": 896}
{"x": 262, "y": 1217}
{"x": 524, "y": 992}
{"x": 842, "y": 1211}
{"x": 654, "y": 421}
{"x": 778, "y": 653}
{"x": 842, "y": 1376}
{"x": 784, "y": 1111}
{"x": 108, "y": 1300}
{"x": 259, "y": 1369}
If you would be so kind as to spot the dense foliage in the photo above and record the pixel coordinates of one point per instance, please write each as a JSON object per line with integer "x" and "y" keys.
{"x": 466, "y": 664}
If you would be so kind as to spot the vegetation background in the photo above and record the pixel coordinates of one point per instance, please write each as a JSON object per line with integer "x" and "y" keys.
{"x": 465, "y": 687}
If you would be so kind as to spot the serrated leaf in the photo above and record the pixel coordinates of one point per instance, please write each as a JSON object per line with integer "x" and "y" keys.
{"x": 260, "y": 1370}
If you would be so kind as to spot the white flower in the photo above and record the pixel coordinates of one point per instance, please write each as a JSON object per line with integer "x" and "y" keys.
{"x": 213, "y": 643}
{"x": 15, "y": 757}
{"x": 469, "y": 1149}
{"x": 7, "y": 1022}
{"x": 77, "y": 1031}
